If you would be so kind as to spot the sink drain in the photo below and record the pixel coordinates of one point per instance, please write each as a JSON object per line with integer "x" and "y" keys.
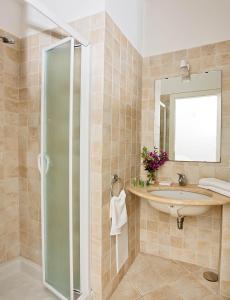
{"x": 210, "y": 276}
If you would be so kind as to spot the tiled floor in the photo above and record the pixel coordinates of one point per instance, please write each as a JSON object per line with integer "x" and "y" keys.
{"x": 21, "y": 286}
{"x": 155, "y": 278}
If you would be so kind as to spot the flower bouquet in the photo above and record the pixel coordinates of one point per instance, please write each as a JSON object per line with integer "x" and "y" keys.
{"x": 152, "y": 161}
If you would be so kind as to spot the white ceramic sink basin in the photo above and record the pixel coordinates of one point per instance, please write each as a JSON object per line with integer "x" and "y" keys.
{"x": 179, "y": 210}
{"x": 180, "y": 195}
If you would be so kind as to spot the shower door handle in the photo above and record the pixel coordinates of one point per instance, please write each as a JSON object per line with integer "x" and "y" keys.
{"x": 39, "y": 163}
{"x": 46, "y": 163}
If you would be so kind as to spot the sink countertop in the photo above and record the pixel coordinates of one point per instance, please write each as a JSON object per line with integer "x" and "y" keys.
{"x": 144, "y": 192}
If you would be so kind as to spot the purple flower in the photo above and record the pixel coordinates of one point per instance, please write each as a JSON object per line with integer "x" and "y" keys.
{"x": 153, "y": 160}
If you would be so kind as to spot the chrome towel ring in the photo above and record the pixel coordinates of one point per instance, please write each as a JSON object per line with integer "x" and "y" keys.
{"x": 116, "y": 179}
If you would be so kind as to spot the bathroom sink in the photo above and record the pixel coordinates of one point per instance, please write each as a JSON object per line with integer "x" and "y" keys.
{"x": 180, "y": 195}
{"x": 179, "y": 210}
{"x": 179, "y": 202}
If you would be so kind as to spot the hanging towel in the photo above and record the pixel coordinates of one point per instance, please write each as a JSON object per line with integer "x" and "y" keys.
{"x": 118, "y": 213}
{"x": 215, "y": 185}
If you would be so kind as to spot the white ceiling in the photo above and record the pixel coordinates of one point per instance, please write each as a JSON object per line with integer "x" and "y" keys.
{"x": 152, "y": 26}
{"x": 181, "y": 24}
{"x": 10, "y": 16}
{"x": 21, "y": 19}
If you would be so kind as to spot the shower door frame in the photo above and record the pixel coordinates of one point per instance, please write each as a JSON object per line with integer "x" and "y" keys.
{"x": 84, "y": 168}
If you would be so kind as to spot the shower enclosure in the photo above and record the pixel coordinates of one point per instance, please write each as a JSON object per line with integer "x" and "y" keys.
{"x": 64, "y": 163}
{"x": 62, "y": 166}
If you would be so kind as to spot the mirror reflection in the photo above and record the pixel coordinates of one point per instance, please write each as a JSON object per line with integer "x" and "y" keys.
{"x": 187, "y": 121}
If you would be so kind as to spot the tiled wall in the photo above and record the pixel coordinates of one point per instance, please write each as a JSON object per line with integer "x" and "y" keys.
{"x": 115, "y": 145}
{"x": 121, "y": 142}
{"x": 9, "y": 199}
{"x": 225, "y": 254}
{"x": 198, "y": 242}
{"x": 29, "y": 142}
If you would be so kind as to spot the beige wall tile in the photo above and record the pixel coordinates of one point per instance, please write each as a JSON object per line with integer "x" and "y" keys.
{"x": 199, "y": 242}
{"x": 9, "y": 163}
{"x": 121, "y": 144}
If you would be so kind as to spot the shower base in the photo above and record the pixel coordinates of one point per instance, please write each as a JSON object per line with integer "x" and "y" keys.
{"x": 20, "y": 279}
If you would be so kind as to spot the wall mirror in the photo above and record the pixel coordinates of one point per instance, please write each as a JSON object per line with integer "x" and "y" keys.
{"x": 187, "y": 121}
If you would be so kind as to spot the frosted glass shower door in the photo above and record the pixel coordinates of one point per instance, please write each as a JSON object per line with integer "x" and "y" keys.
{"x": 57, "y": 169}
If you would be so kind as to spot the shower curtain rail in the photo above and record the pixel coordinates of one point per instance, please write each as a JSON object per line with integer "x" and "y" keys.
{"x": 58, "y": 21}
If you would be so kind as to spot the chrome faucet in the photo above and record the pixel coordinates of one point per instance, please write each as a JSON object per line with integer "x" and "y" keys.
{"x": 182, "y": 179}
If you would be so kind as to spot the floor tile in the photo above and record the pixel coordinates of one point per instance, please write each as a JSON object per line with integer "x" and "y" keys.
{"x": 21, "y": 286}
{"x": 197, "y": 272}
{"x": 140, "y": 264}
{"x": 212, "y": 286}
{"x": 169, "y": 270}
{"x": 125, "y": 291}
{"x": 189, "y": 267}
{"x": 155, "y": 278}
{"x": 145, "y": 281}
{"x": 164, "y": 293}
{"x": 190, "y": 289}
{"x": 149, "y": 277}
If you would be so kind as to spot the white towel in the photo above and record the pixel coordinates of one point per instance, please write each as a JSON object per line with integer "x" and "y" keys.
{"x": 118, "y": 213}
{"x": 215, "y": 185}
{"x": 219, "y": 184}
{"x": 214, "y": 189}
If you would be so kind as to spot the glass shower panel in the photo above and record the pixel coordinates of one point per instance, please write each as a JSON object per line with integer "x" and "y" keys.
{"x": 56, "y": 183}
{"x": 76, "y": 169}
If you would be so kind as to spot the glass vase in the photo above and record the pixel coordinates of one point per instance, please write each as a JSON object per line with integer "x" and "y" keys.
{"x": 151, "y": 177}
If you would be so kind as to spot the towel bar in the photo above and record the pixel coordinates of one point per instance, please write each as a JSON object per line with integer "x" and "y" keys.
{"x": 116, "y": 179}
